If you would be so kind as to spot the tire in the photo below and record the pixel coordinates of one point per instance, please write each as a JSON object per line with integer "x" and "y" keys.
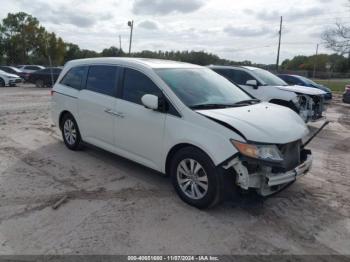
{"x": 2, "y": 82}
{"x": 70, "y": 132}
{"x": 183, "y": 180}
{"x": 39, "y": 83}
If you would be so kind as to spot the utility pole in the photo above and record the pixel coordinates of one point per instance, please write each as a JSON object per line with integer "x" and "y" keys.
{"x": 50, "y": 62}
{"x": 120, "y": 43}
{"x": 131, "y": 25}
{"x": 315, "y": 63}
{"x": 279, "y": 45}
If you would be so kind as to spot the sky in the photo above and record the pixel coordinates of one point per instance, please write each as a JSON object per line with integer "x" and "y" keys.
{"x": 236, "y": 30}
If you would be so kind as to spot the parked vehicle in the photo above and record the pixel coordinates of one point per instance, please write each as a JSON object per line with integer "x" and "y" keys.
{"x": 261, "y": 84}
{"x": 346, "y": 94}
{"x": 183, "y": 120}
{"x": 12, "y": 70}
{"x": 45, "y": 77}
{"x": 7, "y": 79}
{"x": 28, "y": 69}
{"x": 303, "y": 81}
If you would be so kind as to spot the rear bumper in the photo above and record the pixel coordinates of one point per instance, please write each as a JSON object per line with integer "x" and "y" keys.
{"x": 14, "y": 81}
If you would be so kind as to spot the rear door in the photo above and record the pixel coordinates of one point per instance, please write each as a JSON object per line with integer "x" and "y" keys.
{"x": 140, "y": 131}
{"x": 96, "y": 104}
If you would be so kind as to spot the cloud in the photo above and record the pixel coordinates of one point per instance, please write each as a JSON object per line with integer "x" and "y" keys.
{"x": 164, "y": 7}
{"x": 291, "y": 14}
{"x": 247, "y": 31}
{"x": 60, "y": 14}
{"x": 149, "y": 25}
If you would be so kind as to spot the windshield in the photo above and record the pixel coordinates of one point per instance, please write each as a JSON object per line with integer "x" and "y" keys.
{"x": 268, "y": 78}
{"x": 308, "y": 81}
{"x": 202, "y": 86}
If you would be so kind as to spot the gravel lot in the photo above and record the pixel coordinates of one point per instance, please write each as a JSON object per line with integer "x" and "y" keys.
{"x": 118, "y": 207}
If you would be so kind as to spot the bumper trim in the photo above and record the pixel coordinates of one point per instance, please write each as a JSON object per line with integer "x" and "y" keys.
{"x": 283, "y": 178}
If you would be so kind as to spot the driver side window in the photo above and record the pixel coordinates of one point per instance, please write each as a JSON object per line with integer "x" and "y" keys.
{"x": 136, "y": 85}
{"x": 242, "y": 77}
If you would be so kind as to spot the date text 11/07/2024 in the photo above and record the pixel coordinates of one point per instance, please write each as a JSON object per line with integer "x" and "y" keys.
{"x": 173, "y": 258}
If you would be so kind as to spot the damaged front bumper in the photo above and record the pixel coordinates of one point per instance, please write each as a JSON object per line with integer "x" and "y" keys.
{"x": 311, "y": 108}
{"x": 266, "y": 180}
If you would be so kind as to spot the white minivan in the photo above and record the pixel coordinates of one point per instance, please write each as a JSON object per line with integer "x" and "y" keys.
{"x": 183, "y": 120}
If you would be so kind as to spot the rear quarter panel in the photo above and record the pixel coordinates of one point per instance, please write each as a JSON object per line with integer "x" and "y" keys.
{"x": 64, "y": 99}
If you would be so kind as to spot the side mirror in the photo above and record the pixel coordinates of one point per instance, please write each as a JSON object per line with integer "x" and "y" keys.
{"x": 252, "y": 83}
{"x": 150, "y": 101}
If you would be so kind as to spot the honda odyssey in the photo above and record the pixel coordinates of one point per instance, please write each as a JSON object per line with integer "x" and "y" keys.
{"x": 183, "y": 120}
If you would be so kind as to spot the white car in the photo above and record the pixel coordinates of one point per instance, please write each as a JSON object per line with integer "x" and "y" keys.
{"x": 28, "y": 69}
{"x": 306, "y": 101}
{"x": 7, "y": 79}
{"x": 183, "y": 120}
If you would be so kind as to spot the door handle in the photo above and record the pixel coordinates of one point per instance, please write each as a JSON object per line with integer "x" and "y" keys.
{"x": 111, "y": 112}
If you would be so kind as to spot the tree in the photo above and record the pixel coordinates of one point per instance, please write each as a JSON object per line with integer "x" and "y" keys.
{"x": 112, "y": 52}
{"x": 20, "y": 33}
{"x": 338, "y": 38}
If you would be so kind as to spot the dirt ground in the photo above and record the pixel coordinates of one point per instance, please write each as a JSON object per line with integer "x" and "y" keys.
{"x": 118, "y": 207}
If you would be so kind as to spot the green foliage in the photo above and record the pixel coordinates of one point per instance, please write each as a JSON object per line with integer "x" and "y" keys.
{"x": 24, "y": 41}
{"x": 338, "y": 63}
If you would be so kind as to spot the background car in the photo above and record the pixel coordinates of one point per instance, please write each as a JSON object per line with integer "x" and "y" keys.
{"x": 7, "y": 79}
{"x": 12, "y": 70}
{"x": 346, "y": 95}
{"x": 28, "y": 69}
{"x": 303, "y": 81}
{"x": 261, "y": 84}
{"x": 45, "y": 77}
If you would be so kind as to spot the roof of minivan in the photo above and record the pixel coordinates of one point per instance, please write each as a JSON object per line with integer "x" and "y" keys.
{"x": 152, "y": 63}
{"x": 233, "y": 67}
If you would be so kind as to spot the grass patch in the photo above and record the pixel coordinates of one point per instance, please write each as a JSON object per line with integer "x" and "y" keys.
{"x": 337, "y": 85}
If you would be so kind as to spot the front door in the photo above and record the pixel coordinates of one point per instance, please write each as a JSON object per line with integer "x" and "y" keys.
{"x": 139, "y": 131}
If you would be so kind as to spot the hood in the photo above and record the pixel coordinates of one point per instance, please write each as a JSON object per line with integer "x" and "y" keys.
{"x": 323, "y": 88}
{"x": 302, "y": 90}
{"x": 263, "y": 122}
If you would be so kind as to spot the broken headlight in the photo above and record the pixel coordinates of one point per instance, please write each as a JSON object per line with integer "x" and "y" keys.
{"x": 263, "y": 152}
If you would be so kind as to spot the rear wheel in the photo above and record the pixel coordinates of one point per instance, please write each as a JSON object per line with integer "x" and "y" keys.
{"x": 195, "y": 178}
{"x": 70, "y": 132}
{"x": 2, "y": 82}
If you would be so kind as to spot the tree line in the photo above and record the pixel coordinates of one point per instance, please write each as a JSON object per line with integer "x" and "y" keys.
{"x": 24, "y": 41}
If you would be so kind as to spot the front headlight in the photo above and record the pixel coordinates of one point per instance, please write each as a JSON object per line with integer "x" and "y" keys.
{"x": 263, "y": 152}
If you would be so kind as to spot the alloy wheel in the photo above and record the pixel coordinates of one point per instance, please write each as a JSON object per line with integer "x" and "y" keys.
{"x": 192, "y": 178}
{"x": 70, "y": 132}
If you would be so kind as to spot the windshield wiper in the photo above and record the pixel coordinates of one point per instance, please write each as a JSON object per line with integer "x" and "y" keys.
{"x": 211, "y": 106}
{"x": 247, "y": 102}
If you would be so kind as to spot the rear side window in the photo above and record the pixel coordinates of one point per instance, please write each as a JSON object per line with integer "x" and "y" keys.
{"x": 136, "y": 85}
{"x": 74, "y": 77}
{"x": 102, "y": 79}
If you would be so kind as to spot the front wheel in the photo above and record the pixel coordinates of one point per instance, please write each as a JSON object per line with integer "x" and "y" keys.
{"x": 195, "y": 178}
{"x": 70, "y": 132}
{"x": 2, "y": 82}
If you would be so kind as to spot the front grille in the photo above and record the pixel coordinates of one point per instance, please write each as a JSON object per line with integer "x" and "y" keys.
{"x": 291, "y": 155}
